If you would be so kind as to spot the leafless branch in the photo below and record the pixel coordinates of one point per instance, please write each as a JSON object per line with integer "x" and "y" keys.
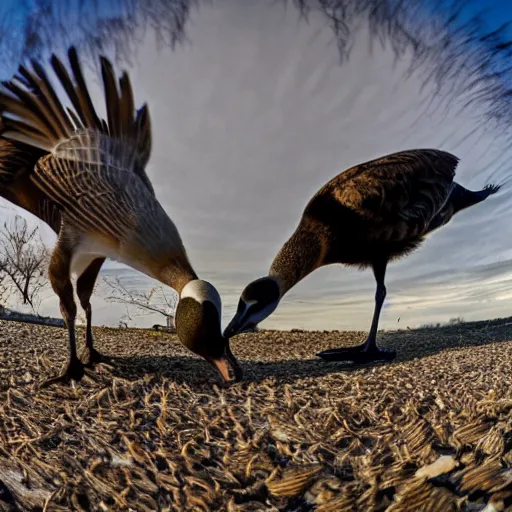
{"x": 459, "y": 55}
{"x": 23, "y": 262}
{"x": 156, "y": 300}
{"x": 4, "y": 288}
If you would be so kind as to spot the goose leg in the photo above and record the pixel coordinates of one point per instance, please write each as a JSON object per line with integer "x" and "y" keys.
{"x": 367, "y": 352}
{"x": 59, "y": 274}
{"x": 84, "y": 288}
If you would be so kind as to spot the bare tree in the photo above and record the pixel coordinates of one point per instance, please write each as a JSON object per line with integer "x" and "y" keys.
{"x": 23, "y": 262}
{"x": 156, "y": 300}
{"x": 124, "y": 319}
{"x": 3, "y": 289}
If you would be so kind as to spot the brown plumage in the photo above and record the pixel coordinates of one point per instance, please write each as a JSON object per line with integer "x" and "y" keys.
{"x": 86, "y": 178}
{"x": 366, "y": 216}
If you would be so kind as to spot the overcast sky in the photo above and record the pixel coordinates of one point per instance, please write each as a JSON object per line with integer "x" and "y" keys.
{"x": 254, "y": 114}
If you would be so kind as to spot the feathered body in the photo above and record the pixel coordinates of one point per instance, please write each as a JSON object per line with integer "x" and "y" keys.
{"x": 368, "y": 215}
{"x": 385, "y": 205}
{"x": 94, "y": 171}
{"x": 86, "y": 177}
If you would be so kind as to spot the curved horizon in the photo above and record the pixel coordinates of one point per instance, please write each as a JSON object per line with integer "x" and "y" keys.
{"x": 255, "y": 113}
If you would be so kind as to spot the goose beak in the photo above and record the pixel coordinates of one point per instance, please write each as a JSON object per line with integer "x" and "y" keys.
{"x": 238, "y": 326}
{"x": 227, "y": 365}
{"x": 232, "y": 329}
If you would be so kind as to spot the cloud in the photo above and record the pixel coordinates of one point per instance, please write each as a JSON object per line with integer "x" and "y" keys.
{"x": 256, "y": 113}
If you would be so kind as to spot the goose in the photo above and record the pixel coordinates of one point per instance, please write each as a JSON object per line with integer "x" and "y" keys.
{"x": 366, "y": 216}
{"x": 85, "y": 177}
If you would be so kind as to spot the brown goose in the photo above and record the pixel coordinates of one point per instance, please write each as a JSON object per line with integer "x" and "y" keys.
{"x": 85, "y": 177}
{"x": 366, "y": 216}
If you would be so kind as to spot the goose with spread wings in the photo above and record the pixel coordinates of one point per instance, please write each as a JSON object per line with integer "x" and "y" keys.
{"x": 366, "y": 216}
{"x": 86, "y": 178}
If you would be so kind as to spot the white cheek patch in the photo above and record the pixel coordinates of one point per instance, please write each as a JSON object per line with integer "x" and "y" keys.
{"x": 247, "y": 305}
{"x": 202, "y": 291}
{"x": 192, "y": 291}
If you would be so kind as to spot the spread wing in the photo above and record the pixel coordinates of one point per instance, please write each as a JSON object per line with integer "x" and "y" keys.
{"x": 107, "y": 201}
{"x": 17, "y": 162}
{"x": 14, "y": 157}
{"x": 405, "y": 189}
{"x": 95, "y": 196}
{"x": 86, "y": 154}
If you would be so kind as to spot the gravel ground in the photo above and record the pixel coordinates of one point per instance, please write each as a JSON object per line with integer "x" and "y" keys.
{"x": 429, "y": 432}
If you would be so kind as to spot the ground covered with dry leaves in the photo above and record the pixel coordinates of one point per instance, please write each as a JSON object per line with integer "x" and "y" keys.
{"x": 431, "y": 431}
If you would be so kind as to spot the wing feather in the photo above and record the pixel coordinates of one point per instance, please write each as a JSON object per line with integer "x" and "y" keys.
{"x": 114, "y": 204}
{"x": 111, "y": 98}
{"x": 29, "y": 107}
{"x": 398, "y": 194}
{"x": 101, "y": 200}
{"x": 84, "y": 98}
{"x": 143, "y": 134}
{"x": 32, "y": 113}
{"x": 42, "y": 86}
{"x": 126, "y": 104}
{"x": 66, "y": 82}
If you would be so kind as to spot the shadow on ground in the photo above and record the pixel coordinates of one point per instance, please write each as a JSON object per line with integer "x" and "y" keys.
{"x": 410, "y": 345}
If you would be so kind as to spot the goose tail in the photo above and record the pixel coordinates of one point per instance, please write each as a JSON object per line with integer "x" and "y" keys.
{"x": 462, "y": 198}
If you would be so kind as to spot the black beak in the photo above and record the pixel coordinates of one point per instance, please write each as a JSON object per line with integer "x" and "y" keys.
{"x": 249, "y": 327}
{"x": 226, "y": 363}
{"x": 235, "y": 327}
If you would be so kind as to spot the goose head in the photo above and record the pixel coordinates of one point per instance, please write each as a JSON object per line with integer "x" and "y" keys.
{"x": 258, "y": 301}
{"x": 198, "y": 317}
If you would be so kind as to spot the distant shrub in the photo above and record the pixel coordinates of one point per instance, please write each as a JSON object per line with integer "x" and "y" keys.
{"x": 430, "y": 326}
{"x": 453, "y": 321}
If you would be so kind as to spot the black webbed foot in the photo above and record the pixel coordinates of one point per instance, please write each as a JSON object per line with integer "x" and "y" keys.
{"x": 74, "y": 370}
{"x": 91, "y": 357}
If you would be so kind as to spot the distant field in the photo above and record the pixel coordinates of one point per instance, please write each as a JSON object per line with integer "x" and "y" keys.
{"x": 157, "y": 432}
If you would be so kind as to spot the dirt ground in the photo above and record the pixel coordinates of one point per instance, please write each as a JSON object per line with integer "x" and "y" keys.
{"x": 157, "y": 431}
